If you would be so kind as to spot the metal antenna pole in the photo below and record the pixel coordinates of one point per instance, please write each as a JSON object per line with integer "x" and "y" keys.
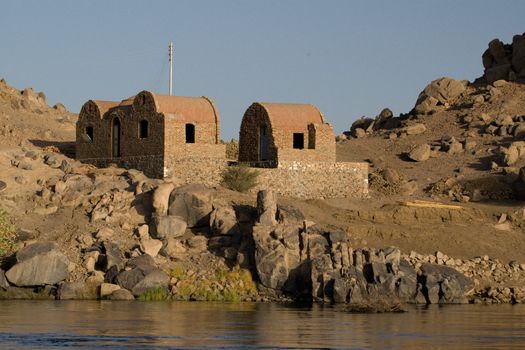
{"x": 171, "y": 67}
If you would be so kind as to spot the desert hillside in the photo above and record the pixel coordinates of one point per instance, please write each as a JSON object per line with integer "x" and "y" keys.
{"x": 25, "y": 117}
{"x": 447, "y": 180}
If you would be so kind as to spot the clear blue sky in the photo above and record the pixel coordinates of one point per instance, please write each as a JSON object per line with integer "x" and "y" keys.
{"x": 350, "y": 58}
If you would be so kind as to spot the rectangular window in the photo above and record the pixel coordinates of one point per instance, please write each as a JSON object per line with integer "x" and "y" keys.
{"x": 190, "y": 133}
{"x": 143, "y": 129}
{"x": 298, "y": 140}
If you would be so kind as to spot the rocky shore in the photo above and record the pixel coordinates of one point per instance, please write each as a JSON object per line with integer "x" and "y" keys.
{"x": 156, "y": 240}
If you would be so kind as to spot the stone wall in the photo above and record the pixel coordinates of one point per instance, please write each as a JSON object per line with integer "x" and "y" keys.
{"x": 309, "y": 180}
{"x": 232, "y": 150}
{"x": 303, "y": 180}
{"x": 319, "y": 139}
{"x": 100, "y": 145}
{"x": 194, "y": 150}
{"x": 187, "y": 170}
{"x": 152, "y": 166}
{"x": 175, "y": 136}
{"x": 132, "y": 145}
{"x": 254, "y": 118}
{"x": 324, "y": 141}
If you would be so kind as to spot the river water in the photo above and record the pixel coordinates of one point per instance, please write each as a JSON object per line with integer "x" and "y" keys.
{"x": 163, "y": 325}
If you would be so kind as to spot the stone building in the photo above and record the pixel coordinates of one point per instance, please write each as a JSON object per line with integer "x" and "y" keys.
{"x": 294, "y": 148}
{"x": 149, "y": 132}
{"x": 292, "y": 144}
{"x": 272, "y": 133}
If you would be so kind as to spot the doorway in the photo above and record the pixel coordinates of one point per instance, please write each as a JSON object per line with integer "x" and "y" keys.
{"x": 263, "y": 143}
{"x": 115, "y": 138}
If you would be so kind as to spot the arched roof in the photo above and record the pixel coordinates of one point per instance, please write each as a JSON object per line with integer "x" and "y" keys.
{"x": 102, "y": 106}
{"x": 292, "y": 116}
{"x": 125, "y": 104}
{"x": 189, "y": 109}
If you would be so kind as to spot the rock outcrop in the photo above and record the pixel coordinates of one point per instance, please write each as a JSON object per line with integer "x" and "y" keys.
{"x": 505, "y": 61}
{"x": 439, "y": 94}
{"x": 38, "y": 264}
{"x": 193, "y": 203}
{"x": 310, "y": 262}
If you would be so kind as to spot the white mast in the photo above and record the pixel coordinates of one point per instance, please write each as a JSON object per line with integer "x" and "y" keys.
{"x": 171, "y": 66}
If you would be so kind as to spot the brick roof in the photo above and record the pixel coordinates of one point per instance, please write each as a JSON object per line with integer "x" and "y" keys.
{"x": 292, "y": 116}
{"x": 189, "y": 109}
{"x": 104, "y": 106}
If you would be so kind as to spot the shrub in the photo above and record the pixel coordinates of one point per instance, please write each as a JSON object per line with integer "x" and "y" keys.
{"x": 7, "y": 234}
{"x": 178, "y": 271}
{"x": 240, "y": 178}
{"x": 222, "y": 284}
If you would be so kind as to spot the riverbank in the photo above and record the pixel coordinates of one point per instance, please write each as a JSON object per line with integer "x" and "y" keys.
{"x": 123, "y": 236}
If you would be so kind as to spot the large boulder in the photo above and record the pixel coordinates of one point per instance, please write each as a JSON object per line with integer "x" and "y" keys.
{"x": 156, "y": 279}
{"x": 518, "y": 54}
{"x": 443, "y": 284}
{"x": 414, "y": 129}
{"x": 107, "y": 288}
{"x": 278, "y": 258}
{"x": 150, "y": 246}
{"x": 77, "y": 291}
{"x": 34, "y": 249}
{"x": 3, "y": 281}
{"x": 383, "y": 119}
{"x": 224, "y": 221}
{"x": 142, "y": 276}
{"x": 420, "y": 153}
{"x": 267, "y": 208}
{"x": 161, "y": 198}
{"x": 113, "y": 255}
{"x": 39, "y": 264}
{"x": 165, "y": 227}
{"x": 193, "y": 203}
{"x": 438, "y": 93}
{"x": 512, "y": 154}
{"x": 121, "y": 295}
{"x": 362, "y": 123}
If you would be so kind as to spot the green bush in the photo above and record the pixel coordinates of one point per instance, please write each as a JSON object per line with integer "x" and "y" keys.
{"x": 240, "y": 178}
{"x": 222, "y": 284}
{"x": 7, "y": 234}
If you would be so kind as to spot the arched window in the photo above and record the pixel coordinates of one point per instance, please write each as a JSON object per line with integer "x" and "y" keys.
{"x": 89, "y": 133}
{"x": 143, "y": 129}
{"x": 190, "y": 133}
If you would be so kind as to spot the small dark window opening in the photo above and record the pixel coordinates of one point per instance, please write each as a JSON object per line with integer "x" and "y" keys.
{"x": 190, "y": 133}
{"x": 298, "y": 140}
{"x": 143, "y": 129}
{"x": 89, "y": 133}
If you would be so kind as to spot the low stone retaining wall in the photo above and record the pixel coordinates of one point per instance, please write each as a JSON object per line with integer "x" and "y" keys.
{"x": 207, "y": 171}
{"x": 309, "y": 180}
{"x": 304, "y": 180}
{"x": 152, "y": 165}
